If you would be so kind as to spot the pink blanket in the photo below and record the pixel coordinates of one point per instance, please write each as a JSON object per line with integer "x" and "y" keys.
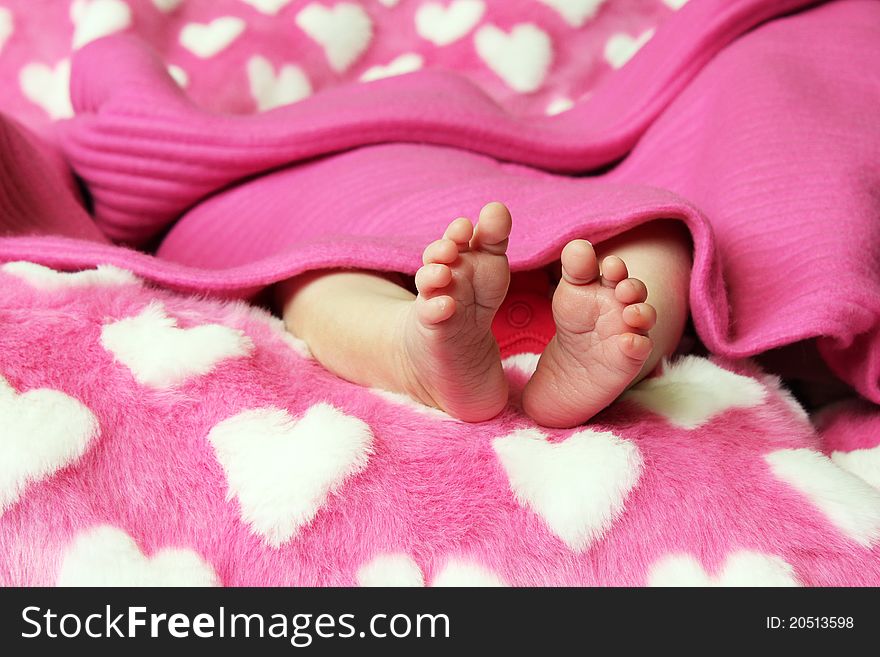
{"x": 150, "y": 438}
{"x": 750, "y": 121}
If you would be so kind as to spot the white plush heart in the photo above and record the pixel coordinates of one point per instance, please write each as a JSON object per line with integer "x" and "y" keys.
{"x": 775, "y": 384}
{"x": 97, "y": 18}
{"x": 620, "y": 48}
{"x": 558, "y": 106}
{"x": 693, "y": 390}
{"x": 848, "y": 502}
{"x": 864, "y": 463}
{"x": 675, "y": 4}
{"x": 270, "y": 90}
{"x": 167, "y": 6}
{"x": 459, "y": 573}
{"x": 108, "y": 556}
{"x": 6, "y": 26}
{"x": 575, "y": 12}
{"x": 406, "y": 63}
{"x": 526, "y": 363}
{"x": 44, "y": 278}
{"x": 181, "y": 77}
{"x": 48, "y": 87}
{"x": 206, "y": 40}
{"x": 161, "y": 355}
{"x": 442, "y": 25}
{"x": 282, "y": 470}
{"x": 521, "y": 58}
{"x": 270, "y": 7}
{"x": 578, "y": 486}
{"x": 344, "y": 31}
{"x": 43, "y": 431}
{"x": 395, "y": 569}
{"x": 406, "y": 401}
{"x": 743, "y": 568}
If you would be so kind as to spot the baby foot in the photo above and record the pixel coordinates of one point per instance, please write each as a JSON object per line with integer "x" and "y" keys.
{"x": 600, "y": 344}
{"x": 451, "y": 357}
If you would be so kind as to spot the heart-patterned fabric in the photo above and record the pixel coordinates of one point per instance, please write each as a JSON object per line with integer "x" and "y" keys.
{"x": 242, "y": 56}
{"x": 144, "y": 424}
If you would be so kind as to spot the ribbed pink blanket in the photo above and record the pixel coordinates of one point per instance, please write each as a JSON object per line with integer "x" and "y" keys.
{"x": 753, "y": 122}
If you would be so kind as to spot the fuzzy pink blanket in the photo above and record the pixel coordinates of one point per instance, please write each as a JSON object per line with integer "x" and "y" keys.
{"x": 151, "y": 438}
{"x": 750, "y": 121}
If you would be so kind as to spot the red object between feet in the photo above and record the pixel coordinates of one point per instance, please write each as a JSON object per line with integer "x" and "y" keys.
{"x": 524, "y": 322}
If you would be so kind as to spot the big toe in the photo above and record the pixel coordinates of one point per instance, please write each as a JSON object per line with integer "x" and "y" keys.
{"x": 579, "y": 264}
{"x": 493, "y": 229}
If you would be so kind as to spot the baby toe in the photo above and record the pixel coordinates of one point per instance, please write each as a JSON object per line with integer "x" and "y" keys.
{"x": 613, "y": 271}
{"x": 436, "y": 310}
{"x": 460, "y": 231}
{"x": 631, "y": 290}
{"x": 443, "y": 251}
{"x": 579, "y": 265}
{"x": 640, "y": 316}
{"x": 635, "y": 346}
{"x": 432, "y": 277}
{"x": 493, "y": 229}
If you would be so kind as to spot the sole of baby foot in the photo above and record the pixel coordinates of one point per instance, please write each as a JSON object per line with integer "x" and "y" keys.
{"x": 450, "y": 357}
{"x": 601, "y": 342}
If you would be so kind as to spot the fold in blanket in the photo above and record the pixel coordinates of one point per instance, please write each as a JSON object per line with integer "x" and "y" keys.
{"x": 753, "y": 122}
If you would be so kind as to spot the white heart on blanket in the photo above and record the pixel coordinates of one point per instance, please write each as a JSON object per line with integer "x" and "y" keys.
{"x": 270, "y": 7}
{"x": 743, "y": 568}
{"x": 442, "y": 25}
{"x": 283, "y": 470}
{"x": 48, "y": 87}
{"x": 207, "y": 40}
{"x": 620, "y": 48}
{"x": 395, "y": 569}
{"x": 675, "y": 5}
{"x": 575, "y": 12}
{"x": 6, "y": 26}
{"x": 344, "y": 32}
{"x": 401, "y": 570}
{"x": 43, "y": 431}
{"x": 98, "y": 18}
{"x": 49, "y": 280}
{"x": 526, "y": 363}
{"x": 521, "y": 58}
{"x": 270, "y": 90}
{"x": 458, "y": 573}
{"x": 167, "y": 6}
{"x": 399, "y": 399}
{"x": 108, "y": 556}
{"x": 863, "y": 463}
{"x": 405, "y": 63}
{"x": 161, "y": 355}
{"x": 577, "y": 486}
{"x": 693, "y": 390}
{"x": 849, "y": 503}
{"x": 775, "y": 384}
{"x": 558, "y": 106}
{"x": 181, "y": 77}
